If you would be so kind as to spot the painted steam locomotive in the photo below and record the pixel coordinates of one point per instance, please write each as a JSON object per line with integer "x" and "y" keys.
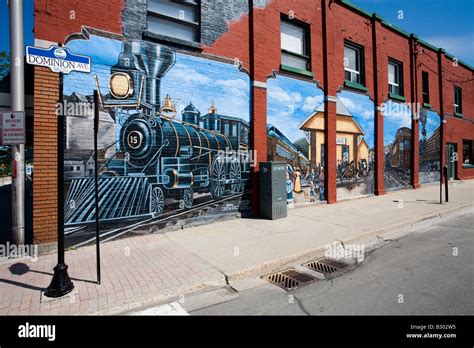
{"x": 159, "y": 156}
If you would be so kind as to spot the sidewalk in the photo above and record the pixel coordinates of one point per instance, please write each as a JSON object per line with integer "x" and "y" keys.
{"x": 148, "y": 269}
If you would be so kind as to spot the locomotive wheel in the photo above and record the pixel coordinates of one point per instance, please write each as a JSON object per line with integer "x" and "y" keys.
{"x": 217, "y": 178}
{"x": 187, "y": 197}
{"x": 157, "y": 201}
{"x": 235, "y": 173}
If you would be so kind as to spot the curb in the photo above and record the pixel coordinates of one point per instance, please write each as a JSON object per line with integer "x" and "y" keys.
{"x": 163, "y": 297}
{"x": 369, "y": 239}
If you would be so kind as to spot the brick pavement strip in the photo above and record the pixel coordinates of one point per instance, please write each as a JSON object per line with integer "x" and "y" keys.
{"x": 125, "y": 279}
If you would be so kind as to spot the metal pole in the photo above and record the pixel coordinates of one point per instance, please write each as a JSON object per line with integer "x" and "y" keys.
{"x": 61, "y": 284}
{"x": 17, "y": 76}
{"x": 441, "y": 125}
{"x": 96, "y": 181}
{"x": 446, "y": 183}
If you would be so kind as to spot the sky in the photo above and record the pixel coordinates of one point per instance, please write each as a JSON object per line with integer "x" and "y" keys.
{"x": 447, "y": 24}
{"x": 5, "y": 24}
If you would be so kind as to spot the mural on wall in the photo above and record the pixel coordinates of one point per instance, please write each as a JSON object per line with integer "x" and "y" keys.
{"x": 294, "y": 137}
{"x": 355, "y": 145}
{"x": 173, "y": 140}
{"x": 429, "y": 125}
{"x": 397, "y": 146}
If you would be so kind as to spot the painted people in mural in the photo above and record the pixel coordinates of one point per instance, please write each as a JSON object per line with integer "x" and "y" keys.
{"x": 397, "y": 145}
{"x": 355, "y": 141}
{"x": 429, "y": 159}
{"x": 292, "y": 104}
{"x": 173, "y": 141}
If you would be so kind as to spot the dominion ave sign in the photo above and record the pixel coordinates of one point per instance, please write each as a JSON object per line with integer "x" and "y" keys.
{"x": 58, "y": 59}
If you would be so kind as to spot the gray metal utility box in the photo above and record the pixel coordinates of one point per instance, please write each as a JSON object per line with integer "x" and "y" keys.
{"x": 273, "y": 190}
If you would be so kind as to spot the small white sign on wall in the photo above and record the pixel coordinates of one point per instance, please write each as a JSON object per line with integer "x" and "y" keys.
{"x": 13, "y": 128}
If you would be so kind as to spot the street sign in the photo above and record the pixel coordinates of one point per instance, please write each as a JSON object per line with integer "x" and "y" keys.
{"x": 58, "y": 59}
{"x": 13, "y": 128}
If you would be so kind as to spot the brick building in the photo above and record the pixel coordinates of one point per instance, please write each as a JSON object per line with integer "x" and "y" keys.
{"x": 244, "y": 58}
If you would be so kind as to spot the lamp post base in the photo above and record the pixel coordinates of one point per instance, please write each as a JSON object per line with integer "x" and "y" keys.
{"x": 61, "y": 283}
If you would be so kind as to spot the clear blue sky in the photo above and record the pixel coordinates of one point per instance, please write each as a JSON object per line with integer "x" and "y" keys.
{"x": 5, "y": 24}
{"x": 448, "y": 24}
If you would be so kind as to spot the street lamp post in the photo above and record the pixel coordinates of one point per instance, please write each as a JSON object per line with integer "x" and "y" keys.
{"x": 61, "y": 284}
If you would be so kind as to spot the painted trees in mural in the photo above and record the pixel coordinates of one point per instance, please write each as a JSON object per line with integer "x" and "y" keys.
{"x": 355, "y": 144}
{"x": 397, "y": 145}
{"x": 173, "y": 141}
{"x": 296, "y": 136}
{"x": 429, "y": 165}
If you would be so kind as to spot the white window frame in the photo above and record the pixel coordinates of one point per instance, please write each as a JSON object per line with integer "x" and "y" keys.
{"x": 285, "y": 51}
{"x": 457, "y": 103}
{"x": 394, "y": 86}
{"x": 189, "y": 26}
{"x": 358, "y": 75}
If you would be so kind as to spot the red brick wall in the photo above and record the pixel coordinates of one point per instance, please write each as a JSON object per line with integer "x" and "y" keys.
{"x": 55, "y": 20}
{"x": 45, "y": 156}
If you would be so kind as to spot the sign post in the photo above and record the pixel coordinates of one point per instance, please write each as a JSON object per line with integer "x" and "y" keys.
{"x": 17, "y": 78}
{"x": 59, "y": 60}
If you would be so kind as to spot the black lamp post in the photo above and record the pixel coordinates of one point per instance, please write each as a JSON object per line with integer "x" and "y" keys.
{"x": 61, "y": 284}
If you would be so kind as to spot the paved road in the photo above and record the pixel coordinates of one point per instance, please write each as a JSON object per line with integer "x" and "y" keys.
{"x": 421, "y": 271}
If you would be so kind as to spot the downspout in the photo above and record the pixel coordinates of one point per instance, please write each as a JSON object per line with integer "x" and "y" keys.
{"x": 441, "y": 111}
{"x": 376, "y": 95}
{"x": 326, "y": 95}
{"x": 414, "y": 98}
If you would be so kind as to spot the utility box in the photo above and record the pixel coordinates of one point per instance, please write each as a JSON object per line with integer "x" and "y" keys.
{"x": 273, "y": 190}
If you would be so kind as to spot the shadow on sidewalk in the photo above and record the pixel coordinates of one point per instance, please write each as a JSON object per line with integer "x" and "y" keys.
{"x": 22, "y": 268}
{"x": 21, "y": 285}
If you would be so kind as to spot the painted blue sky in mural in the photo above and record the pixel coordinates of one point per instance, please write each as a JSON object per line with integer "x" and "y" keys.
{"x": 432, "y": 123}
{"x": 191, "y": 79}
{"x": 362, "y": 109}
{"x": 396, "y": 116}
{"x": 199, "y": 81}
{"x": 290, "y": 102}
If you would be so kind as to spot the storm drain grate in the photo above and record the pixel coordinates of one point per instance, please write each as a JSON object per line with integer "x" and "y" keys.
{"x": 288, "y": 280}
{"x": 326, "y": 266}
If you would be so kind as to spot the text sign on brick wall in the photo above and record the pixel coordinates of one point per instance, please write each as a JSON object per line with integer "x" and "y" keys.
{"x": 13, "y": 128}
{"x": 58, "y": 59}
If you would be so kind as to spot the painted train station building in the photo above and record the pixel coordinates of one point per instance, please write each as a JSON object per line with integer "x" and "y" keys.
{"x": 195, "y": 94}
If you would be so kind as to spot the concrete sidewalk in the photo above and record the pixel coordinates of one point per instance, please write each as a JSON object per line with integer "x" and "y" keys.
{"x": 146, "y": 270}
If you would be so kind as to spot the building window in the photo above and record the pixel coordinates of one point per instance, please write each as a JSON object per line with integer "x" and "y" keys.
{"x": 457, "y": 100}
{"x": 295, "y": 45}
{"x": 467, "y": 154}
{"x": 425, "y": 87}
{"x": 395, "y": 77}
{"x": 354, "y": 63}
{"x": 175, "y": 19}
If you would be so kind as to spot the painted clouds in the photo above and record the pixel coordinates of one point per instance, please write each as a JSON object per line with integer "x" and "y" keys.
{"x": 290, "y": 102}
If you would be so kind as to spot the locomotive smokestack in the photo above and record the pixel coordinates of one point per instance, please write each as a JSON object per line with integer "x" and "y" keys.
{"x": 158, "y": 60}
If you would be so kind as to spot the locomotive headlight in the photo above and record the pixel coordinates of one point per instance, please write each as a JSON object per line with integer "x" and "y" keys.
{"x": 134, "y": 140}
{"x": 121, "y": 85}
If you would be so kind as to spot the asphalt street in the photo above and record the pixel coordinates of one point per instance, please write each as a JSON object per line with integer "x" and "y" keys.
{"x": 429, "y": 272}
